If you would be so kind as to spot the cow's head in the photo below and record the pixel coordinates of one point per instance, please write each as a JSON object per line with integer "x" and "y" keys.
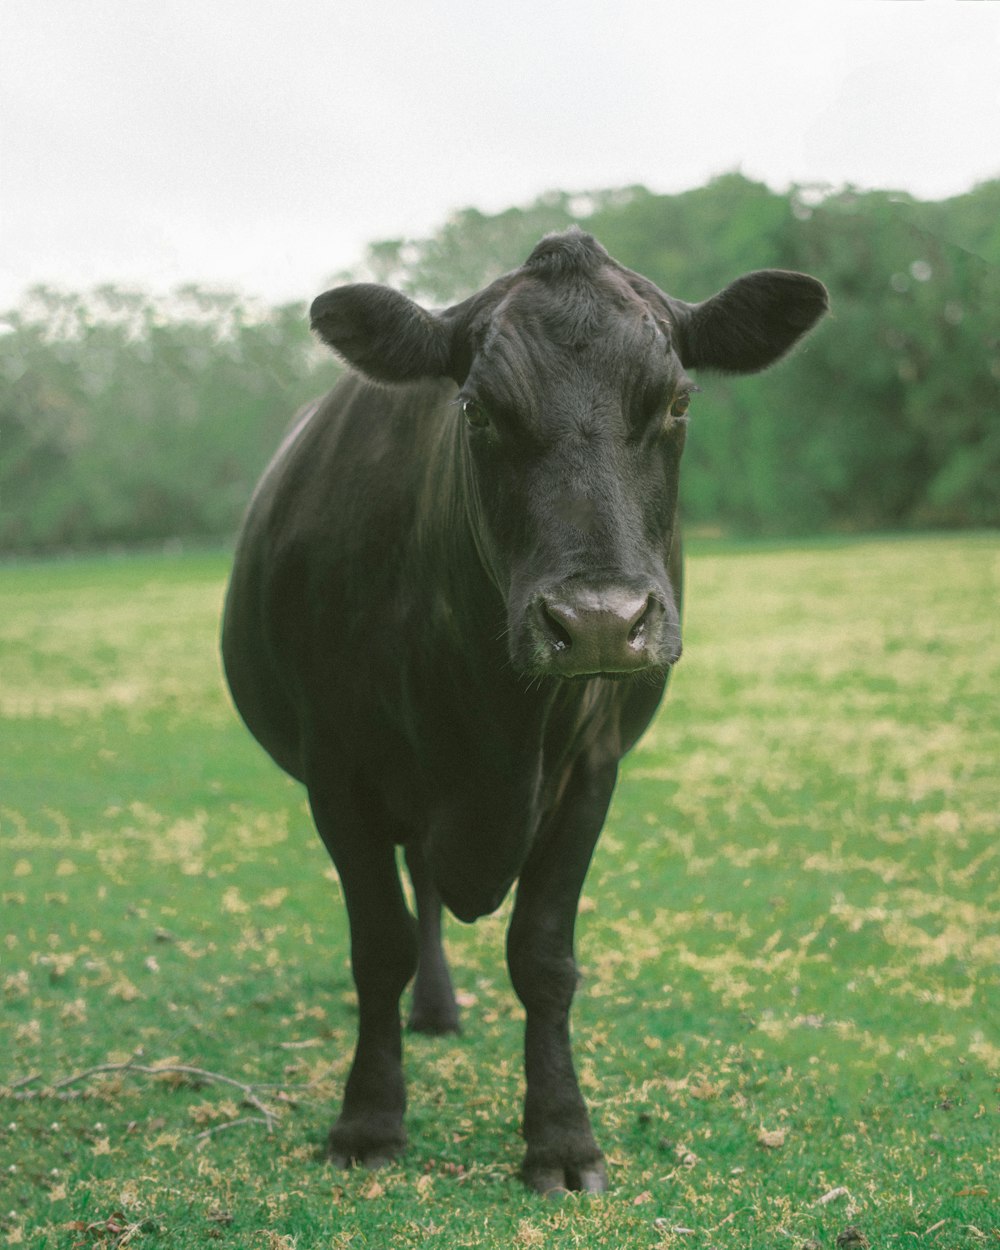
{"x": 573, "y": 394}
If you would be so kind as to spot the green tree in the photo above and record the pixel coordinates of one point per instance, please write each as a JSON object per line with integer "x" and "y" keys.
{"x": 128, "y": 418}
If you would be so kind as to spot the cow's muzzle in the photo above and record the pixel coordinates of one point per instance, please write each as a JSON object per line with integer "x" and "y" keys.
{"x": 582, "y": 631}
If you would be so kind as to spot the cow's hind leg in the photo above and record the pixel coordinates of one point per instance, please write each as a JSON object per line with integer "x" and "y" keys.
{"x": 434, "y": 1009}
{"x": 561, "y": 1150}
{"x": 383, "y": 958}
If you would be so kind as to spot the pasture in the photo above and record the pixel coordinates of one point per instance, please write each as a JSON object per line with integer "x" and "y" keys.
{"x": 788, "y": 1024}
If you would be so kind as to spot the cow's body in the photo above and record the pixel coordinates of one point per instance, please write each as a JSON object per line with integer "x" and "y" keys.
{"x": 451, "y": 617}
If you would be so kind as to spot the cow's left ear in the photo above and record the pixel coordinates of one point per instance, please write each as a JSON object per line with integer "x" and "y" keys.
{"x": 383, "y": 333}
{"x": 750, "y": 324}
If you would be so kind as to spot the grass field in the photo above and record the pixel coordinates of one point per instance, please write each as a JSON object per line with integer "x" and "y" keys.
{"x": 788, "y": 1025}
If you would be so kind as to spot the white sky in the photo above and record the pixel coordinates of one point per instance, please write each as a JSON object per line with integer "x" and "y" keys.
{"x": 261, "y": 143}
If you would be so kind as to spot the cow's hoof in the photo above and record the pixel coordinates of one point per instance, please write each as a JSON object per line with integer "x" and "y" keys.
{"x": 357, "y": 1144}
{"x": 432, "y": 1022}
{"x": 590, "y": 1178}
{"x": 433, "y": 1008}
{"x": 370, "y": 1162}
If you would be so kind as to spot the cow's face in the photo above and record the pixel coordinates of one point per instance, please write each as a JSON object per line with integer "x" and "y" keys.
{"x": 572, "y": 401}
{"x": 575, "y": 407}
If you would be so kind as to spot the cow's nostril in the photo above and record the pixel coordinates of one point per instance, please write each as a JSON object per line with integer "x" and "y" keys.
{"x": 559, "y": 636}
{"x": 640, "y": 628}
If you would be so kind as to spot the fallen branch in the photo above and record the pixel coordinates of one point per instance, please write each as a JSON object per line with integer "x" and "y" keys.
{"x": 26, "y": 1080}
{"x": 221, "y": 1128}
{"x": 832, "y": 1195}
{"x": 63, "y": 1088}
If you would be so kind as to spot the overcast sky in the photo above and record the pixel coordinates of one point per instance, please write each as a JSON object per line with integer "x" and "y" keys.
{"x": 260, "y": 144}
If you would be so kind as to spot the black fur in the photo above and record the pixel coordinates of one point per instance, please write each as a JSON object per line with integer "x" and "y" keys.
{"x": 381, "y": 332}
{"x": 454, "y": 606}
{"x": 752, "y": 323}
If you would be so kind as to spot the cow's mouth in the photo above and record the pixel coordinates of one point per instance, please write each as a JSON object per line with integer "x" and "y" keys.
{"x": 651, "y": 675}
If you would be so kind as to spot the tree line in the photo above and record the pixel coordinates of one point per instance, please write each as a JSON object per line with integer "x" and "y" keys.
{"x": 127, "y": 417}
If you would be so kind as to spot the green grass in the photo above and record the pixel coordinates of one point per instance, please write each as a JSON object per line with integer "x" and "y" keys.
{"x": 790, "y": 936}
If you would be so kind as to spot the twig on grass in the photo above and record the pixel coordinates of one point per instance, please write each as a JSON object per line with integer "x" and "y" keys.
{"x": 116, "y": 1225}
{"x": 269, "y": 1117}
{"x": 25, "y": 1080}
{"x": 62, "y": 1088}
{"x": 205, "y": 1134}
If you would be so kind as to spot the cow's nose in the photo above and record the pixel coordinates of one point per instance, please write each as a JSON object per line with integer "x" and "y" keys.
{"x": 609, "y": 631}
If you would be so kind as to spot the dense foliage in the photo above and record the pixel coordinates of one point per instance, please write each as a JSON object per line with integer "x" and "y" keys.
{"x": 127, "y": 417}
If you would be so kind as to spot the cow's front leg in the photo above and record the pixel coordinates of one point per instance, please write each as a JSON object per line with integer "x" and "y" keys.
{"x": 562, "y": 1152}
{"x": 383, "y": 958}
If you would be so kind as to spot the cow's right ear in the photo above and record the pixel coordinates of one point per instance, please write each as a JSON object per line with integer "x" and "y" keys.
{"x": 383, "y": 333}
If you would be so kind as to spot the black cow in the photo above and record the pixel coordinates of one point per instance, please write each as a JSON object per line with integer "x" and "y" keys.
{"x": 454, "y": 607}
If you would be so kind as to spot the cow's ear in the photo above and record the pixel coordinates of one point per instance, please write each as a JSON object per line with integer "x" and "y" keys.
{"x": 751, "y": 324}
{"x": 383, "y": 333}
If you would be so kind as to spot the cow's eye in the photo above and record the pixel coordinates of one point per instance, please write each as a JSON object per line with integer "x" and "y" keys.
{"x": 680, "y": 406}
{"x": 475, "y": 413}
